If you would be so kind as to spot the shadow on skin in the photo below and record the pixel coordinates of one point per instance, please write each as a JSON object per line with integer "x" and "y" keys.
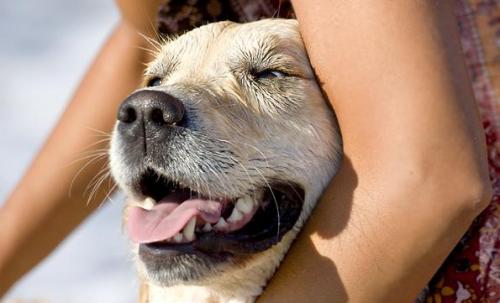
{"x": 305, "y": 272}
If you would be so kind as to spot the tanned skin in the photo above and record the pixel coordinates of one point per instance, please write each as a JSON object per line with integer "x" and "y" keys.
{"x": 394, "y": 74}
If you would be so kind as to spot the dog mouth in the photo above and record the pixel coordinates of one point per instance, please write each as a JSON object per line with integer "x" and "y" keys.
{"x": 174, "y": 219}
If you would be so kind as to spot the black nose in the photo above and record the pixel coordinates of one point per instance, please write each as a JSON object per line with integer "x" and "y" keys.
{"x": 154, "y": 108}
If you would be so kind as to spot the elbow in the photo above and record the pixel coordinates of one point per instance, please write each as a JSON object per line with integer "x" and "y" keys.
{"x": 465, "y": 195}
{"x": 459, "y": 196}
{"x": 476, "y": 197}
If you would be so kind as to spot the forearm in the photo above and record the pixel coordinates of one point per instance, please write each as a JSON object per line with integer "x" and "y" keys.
{"x": 40, "y": 212}
{"x": 415, "y": 173}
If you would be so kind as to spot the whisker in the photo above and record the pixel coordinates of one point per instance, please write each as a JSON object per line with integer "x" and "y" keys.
{"x": 80, "y": 171}
{"x": 152, "y": 52}
{"x": 297, "y": 194}
{"x": 104, "y": 175}
{"x": 103, "y": 170}
{"x": 85, "y": 157}
{"x": 152, "y": 42}
{"x": 108, "y": 195}
{"x": 274, "y": 200}
{"x": 99, "y": 131}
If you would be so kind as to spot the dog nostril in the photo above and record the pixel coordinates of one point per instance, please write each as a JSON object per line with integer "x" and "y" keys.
{"x": 127, "y": 115}
{"x": 167, "y": 114}
{"x": 156, "y": 116}
{"x": 151, "y": 107}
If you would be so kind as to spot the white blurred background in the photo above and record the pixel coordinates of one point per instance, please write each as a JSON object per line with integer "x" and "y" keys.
{"x": 45, "y": 47}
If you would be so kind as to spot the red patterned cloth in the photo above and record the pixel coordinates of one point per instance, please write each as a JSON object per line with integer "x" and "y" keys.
{"x": 472, "y": 271}
{"x": 177, "y": 16}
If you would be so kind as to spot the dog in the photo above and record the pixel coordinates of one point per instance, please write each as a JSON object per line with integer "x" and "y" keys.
{"x": 225, "y": 151}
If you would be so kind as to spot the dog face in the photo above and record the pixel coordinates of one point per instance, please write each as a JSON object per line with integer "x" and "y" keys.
{"x": 227, "y": 148}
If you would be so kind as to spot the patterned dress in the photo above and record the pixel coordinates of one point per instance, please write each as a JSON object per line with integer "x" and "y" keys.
{"x": 472, "y": 271}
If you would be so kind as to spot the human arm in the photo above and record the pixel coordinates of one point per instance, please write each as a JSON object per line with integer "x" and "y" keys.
{"x": 39, "y": 213}
{"x": 415, "y": 172}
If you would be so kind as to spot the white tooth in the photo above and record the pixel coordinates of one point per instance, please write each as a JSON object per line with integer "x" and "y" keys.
{"x": 148, "y": 203}
{"x": 221, "y": 224}
{"x": 188, "y": 231}
{"x": 236, "y": 215}
{"x": 178, "y": 237}
{"x": 245, "y": 204}
{"x": 207, "y": 227}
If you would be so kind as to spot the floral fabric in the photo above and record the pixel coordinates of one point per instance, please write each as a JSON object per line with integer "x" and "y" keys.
{"x": 472, "y": 271}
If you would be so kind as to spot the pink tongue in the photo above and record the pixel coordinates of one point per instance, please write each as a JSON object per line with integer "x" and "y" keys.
{"x": 168, "y": 218}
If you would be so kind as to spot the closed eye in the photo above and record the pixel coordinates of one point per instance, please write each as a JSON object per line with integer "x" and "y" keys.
{"x": 269, "y": 74}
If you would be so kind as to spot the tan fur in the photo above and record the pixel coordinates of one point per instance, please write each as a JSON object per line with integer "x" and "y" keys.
{"x": 289, "y": 120}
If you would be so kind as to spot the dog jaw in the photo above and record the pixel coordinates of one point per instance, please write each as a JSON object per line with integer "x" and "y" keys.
{"x": 242, "y": 285}
{"x": 238, "y": 285}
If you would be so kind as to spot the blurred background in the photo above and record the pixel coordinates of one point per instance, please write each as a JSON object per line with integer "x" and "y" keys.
{"x": 45, "y": 48}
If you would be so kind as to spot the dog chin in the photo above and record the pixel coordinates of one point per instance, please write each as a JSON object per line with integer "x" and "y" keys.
{"x": 188, "y": 279}
{"x": 182, "y": 269}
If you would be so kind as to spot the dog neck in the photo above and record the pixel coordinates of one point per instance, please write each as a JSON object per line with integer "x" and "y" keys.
{"x": 190, "y": 294}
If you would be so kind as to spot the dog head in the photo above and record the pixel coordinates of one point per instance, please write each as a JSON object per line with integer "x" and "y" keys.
{"x": 227, "y": 149}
